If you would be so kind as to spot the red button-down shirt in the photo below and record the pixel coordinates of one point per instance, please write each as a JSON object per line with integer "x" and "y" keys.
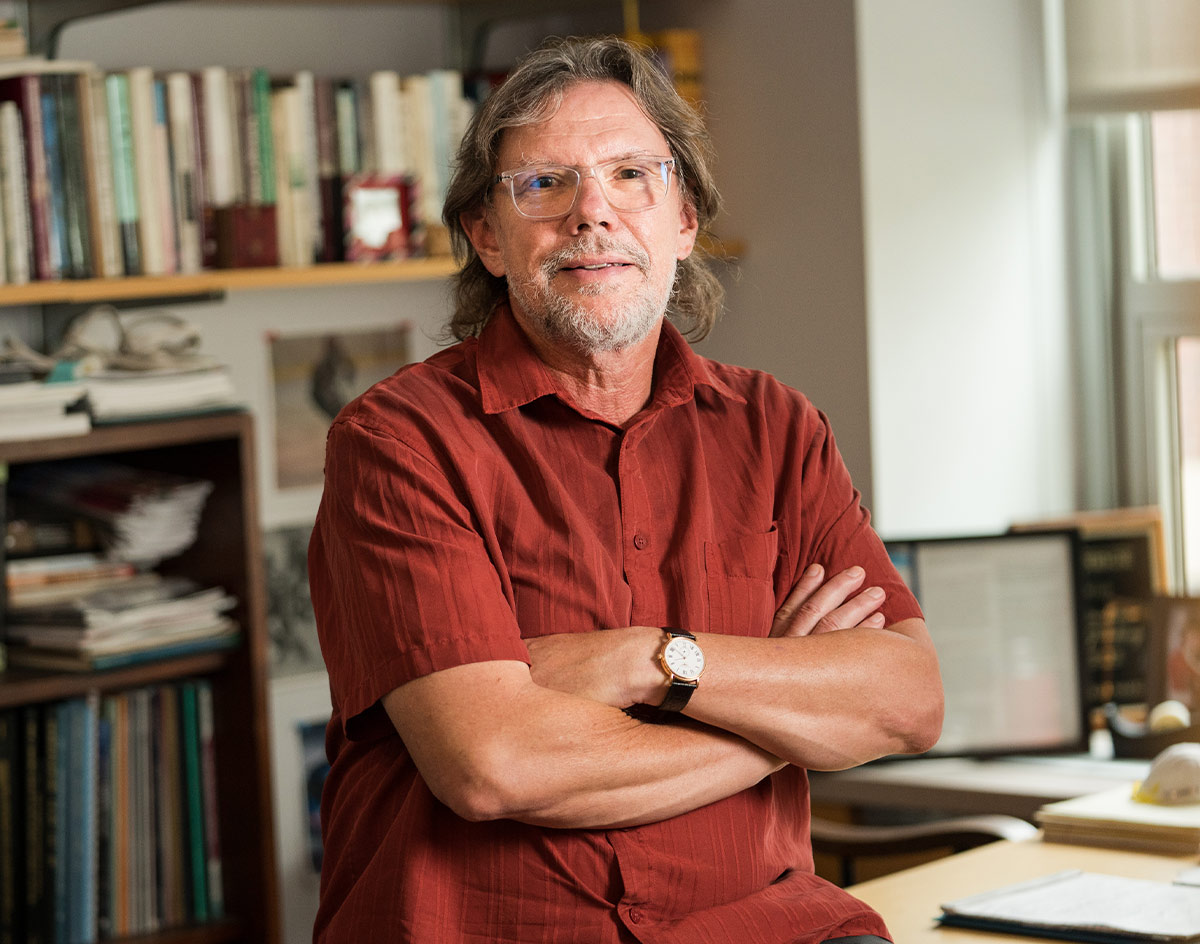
{"x": 469, "y": 505}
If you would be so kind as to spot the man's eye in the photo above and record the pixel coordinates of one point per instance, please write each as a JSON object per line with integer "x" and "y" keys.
{"x": 629, "y": 172}
{"x": 543, "y": 182}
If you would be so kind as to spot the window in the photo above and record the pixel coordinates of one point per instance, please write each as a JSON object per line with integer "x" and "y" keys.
{"x": 1136, "y": 193}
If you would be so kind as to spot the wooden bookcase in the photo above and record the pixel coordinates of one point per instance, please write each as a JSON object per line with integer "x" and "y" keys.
{"x": 227, "y": 552}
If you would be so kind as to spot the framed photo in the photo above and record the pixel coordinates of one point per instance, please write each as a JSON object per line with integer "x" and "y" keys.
{"x": 379, "y": 217}
{"x": 292, "y": 628}
{"x": 313, "y": 377}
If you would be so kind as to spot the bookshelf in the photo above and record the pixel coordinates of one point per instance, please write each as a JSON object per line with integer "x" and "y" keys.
{"x": 227, "y": 553}
{"x": 220, "y": 281}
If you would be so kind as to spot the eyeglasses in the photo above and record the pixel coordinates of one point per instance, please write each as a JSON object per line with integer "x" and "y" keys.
{"x": 549, "y": 191}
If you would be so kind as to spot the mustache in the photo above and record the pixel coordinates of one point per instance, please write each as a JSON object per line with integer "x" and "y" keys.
{"x": 582, "y": 248}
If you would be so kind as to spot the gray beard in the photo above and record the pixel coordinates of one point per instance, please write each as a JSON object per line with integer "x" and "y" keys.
{"x": 572, "y": 324}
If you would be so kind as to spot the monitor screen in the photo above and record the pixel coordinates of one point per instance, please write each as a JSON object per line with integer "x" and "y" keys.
{"x": 1004, "y": 614}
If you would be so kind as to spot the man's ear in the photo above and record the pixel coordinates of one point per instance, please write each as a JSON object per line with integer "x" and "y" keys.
{"x": 689, "y": 226}
{"x": 481, "y": 231}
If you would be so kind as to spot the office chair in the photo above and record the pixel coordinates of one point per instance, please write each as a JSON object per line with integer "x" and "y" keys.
{"x": 850, "y": 841}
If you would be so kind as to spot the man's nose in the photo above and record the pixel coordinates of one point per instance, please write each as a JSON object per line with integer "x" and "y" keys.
{"x": 591, "y": 205}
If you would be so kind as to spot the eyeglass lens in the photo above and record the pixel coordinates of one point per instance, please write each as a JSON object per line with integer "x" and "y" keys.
{"x": 548, "y": 190}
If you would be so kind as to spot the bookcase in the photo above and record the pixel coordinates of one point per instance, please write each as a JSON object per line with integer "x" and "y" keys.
{"x": 227, "y": 552}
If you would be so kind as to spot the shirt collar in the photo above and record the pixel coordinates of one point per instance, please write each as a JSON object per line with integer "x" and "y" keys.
{"x": 512, "y": 375}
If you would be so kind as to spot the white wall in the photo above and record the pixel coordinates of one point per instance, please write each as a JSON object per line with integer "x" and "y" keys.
{"x": 970, "y": 399}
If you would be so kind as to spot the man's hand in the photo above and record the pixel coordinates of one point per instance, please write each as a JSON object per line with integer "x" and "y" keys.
{"x": 814, "y": 607}
{"x": 618, "y": 667}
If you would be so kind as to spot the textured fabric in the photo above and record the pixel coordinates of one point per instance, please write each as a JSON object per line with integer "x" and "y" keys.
{"x": 467, "y": 506}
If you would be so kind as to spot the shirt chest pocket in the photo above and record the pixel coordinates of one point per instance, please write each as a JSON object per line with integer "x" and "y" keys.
{"x": 739, "y": 573}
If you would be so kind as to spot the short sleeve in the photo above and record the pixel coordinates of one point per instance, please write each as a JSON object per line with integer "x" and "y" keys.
{"x": 402, "y": 582}
{"x": 837, "y": 530}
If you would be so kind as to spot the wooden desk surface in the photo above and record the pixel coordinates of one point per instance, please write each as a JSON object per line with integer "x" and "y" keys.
{"x": 910, "y": 900}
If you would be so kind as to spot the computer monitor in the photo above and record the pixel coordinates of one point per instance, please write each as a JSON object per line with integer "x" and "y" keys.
{"x": 1004, "y": 613}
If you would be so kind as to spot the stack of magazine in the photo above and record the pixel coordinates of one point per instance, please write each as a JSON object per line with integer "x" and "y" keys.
{"x": 143, "y": 516}
{"x": 89, "y": 614}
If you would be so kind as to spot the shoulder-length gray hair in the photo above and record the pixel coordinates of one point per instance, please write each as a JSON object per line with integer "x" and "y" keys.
{"x": 531, "y": 94}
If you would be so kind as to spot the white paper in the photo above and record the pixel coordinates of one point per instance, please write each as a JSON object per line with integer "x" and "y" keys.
{"x": 1090, "y": 901}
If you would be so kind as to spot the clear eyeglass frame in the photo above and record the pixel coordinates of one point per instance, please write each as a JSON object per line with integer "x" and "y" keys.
{"x": 560, "y": 192}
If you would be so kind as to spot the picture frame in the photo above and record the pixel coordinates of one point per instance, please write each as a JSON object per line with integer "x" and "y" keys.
{"x": 379, "y": 217}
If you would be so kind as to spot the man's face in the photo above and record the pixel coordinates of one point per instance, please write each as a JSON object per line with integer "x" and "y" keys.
{"x": 599, "y": 278}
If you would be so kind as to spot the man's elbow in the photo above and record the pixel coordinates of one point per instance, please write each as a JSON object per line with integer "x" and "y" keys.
{"x": 917, "y": 724}
{"x": 484, "y": 787}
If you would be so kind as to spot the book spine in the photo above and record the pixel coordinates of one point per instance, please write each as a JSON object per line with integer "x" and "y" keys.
{"x": 220, "y": 156}
{"x": 207, "y": 213}
{"x": 64, "y": 750}
{"x": 25, "y": 91}
{"x": 305, "y": 83}
{"x": 124, "y": 170}
{"x": 83, "y": 867}
{"x": 78, "y": 262}
{"x": 34, "y": 814}
{"x": 56, "y": 211}
{"x": 105, "y": 732}
{"x": 97, "y": 157}
{"x": 260, "y": 104}
{"x": 194, "y": 793}
{"x": 18, "y": 232}
{"x": 329, "y": 180}
{"x": 182, "y": 119}
{"x": 10, "y": 848}
{"x": 164, "y": 174}
{"x": 285, "y": 204}
{"x": 208, "y": 768}
{"x": 122, "y": 854}
{"x": 141, "y": 113}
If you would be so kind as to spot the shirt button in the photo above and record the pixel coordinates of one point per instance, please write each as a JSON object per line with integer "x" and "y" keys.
{"x": 641, "y": 542}
{"x": 634, "y": 915}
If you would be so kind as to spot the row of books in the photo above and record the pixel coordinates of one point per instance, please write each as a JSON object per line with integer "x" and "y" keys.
{"x": 131, "y": 172}
{"x": 111, "y": 800}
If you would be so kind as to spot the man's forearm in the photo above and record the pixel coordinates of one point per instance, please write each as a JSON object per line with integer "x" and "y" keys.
{"x": 825, "y": 701}
{"x": 520, "y": 751}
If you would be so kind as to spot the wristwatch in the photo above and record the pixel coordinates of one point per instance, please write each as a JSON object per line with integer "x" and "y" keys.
{"x": 683, "y": 661}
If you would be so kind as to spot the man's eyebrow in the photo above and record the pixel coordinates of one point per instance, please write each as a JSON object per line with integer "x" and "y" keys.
{"x": 526, "y": 161}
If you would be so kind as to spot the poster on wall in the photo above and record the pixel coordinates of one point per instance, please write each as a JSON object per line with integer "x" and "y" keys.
{"x": 292, "y": 628}
{"x": 313, "y": 377}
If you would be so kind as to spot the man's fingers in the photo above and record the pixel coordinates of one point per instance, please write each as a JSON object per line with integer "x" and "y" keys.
{"x": 818, "y": 606}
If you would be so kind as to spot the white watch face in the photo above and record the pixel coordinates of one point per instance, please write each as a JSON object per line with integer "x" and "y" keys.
{"x": 683, "y": 658}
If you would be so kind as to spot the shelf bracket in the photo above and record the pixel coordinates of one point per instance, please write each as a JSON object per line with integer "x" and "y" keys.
{"x": 43, "y": 20}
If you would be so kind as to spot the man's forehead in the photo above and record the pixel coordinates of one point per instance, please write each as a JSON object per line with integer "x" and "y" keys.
{"x": 593, "y": 122}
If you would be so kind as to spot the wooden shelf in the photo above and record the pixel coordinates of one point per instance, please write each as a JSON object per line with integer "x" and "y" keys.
{"x": 219, "y": 281}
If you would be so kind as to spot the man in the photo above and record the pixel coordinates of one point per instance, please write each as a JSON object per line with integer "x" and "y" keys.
{"x": 531, "y": 544}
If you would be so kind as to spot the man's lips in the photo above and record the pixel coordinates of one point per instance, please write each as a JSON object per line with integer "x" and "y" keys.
{"x": 596, "y": 266}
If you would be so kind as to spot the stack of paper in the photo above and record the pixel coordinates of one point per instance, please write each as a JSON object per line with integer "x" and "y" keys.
{"x": 141, "y": 619}
{"x": 35, "y": 410}
{"x": 1114, "y": 818}
{"x": 1084, "y": 906}
{"x": 124, "y": 395}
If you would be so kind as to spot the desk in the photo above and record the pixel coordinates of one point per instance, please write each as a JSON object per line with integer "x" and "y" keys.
{"x": 1018, "y": 786}
{"x": 910, "y": 900}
